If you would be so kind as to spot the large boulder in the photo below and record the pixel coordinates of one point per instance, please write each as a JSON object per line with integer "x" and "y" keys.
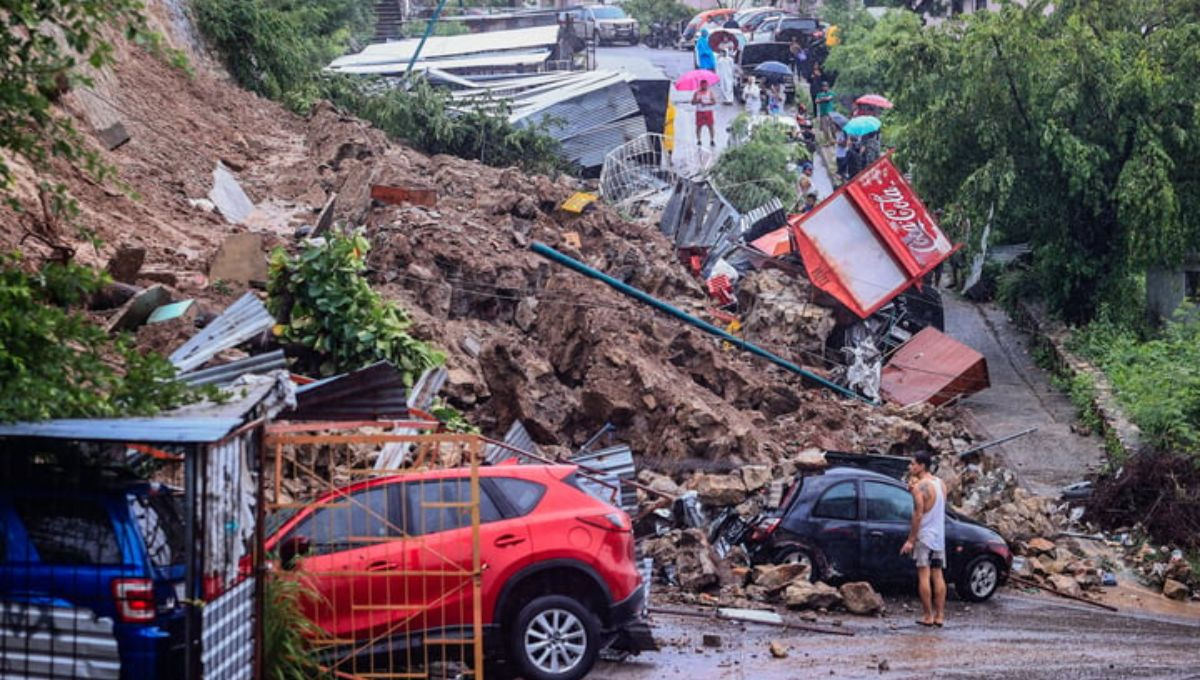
{"x": 1066, "y": 585}
{"x": 755, "y": 477}
{"x": 1174, "y": 589}
{"x": 1041, "y": 546}
{"x": 774, "y": 577}
{"x": 860, "y": 598}
{"x": 718, "y": 490}
{"x": 802, "y": 594}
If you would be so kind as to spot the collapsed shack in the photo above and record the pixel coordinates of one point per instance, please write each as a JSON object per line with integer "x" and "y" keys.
{"x": 92, "y": 493}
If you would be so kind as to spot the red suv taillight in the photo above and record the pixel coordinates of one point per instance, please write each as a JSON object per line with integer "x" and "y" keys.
{"x": 764, "y": 530}
{"x": 134, "y": 598}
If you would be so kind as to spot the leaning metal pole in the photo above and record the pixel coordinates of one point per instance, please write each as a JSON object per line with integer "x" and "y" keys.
{"x": 552, "y": 254}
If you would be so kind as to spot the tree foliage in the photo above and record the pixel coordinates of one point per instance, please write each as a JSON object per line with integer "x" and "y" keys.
{"x": 275, "y": 47}
{"x": 55, "y": 363}
{"x": 1077, "y": 125}
{"x": 751, "y": 173}
{"x": 328, "y": 311}
{"x": 650, "y": 11}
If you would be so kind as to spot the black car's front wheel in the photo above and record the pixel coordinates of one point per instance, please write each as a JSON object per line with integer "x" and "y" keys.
{"x": 799, "y": 556}
{"x": 555, "y": 638}
{"x": 979, "y": 580}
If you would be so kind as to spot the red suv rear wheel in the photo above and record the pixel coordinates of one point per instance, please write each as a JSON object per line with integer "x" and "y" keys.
{"x": 555, "y": 638}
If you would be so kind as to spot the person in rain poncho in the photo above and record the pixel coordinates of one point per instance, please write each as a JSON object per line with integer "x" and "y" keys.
{"x": 725, "y": 72}
{"x": 753, "y": 96}
{"x": 705, "y": 58}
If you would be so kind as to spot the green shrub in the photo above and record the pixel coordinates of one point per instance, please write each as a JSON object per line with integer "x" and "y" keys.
{"x": 325, "y": 307}
{"x": 286, "y": 652}
{"x": 754, "y": 171}
{"x": 1157, "y": 380}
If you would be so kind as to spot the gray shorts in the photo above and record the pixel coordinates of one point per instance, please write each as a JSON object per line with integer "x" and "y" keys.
{"x": 925, "y": 557}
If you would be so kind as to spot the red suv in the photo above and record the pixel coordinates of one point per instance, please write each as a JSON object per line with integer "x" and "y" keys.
{"x": 391, "y": 558}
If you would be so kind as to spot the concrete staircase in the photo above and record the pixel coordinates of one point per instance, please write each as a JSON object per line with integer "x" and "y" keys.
{"x": 389, "y": 16}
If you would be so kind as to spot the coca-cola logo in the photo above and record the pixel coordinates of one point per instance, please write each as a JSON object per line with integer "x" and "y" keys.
{"x": 903, "y": 218}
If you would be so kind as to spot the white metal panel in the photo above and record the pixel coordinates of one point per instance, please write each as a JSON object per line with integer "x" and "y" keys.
{"x": 849, "y": 244}
{"x": 503, "y": 60}
{"x": 449, "y": 46}
{"x": 228, "y": 641}
{"x": 44, "y": 641}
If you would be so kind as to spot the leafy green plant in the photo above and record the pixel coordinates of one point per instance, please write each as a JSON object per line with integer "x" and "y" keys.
{"x": 286, "y": 652}
{"x": 276, "y": 47}
{"x": 754, "y": 171}
{"x": 325, "y": 305}
{"x": 650, "y": 11}
{"x": 55, "y": 363}
{"x": 1156, "y": 379}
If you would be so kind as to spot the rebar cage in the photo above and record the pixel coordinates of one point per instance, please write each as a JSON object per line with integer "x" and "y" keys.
{"x": 384, "y": 563}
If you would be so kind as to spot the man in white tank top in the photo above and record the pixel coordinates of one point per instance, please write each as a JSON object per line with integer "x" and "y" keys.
{"x": 927, "y": 538}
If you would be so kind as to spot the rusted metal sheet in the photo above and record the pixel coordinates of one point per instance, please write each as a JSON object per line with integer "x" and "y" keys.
{"x": 376, "y": 392}
{"x": 933, "y": 368}
{"x": 399, "y": 195}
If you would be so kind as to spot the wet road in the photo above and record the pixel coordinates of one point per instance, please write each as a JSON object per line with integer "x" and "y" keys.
{"x": 1021, "y": 396}
{"x": 1014, "y": 635}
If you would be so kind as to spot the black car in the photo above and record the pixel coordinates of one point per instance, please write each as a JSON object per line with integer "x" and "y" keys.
{"x": 849, "y": 524}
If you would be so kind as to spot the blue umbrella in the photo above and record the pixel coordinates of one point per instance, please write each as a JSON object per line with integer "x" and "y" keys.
{"x": 772, "y": 68}
{"x": 862, "y": 125}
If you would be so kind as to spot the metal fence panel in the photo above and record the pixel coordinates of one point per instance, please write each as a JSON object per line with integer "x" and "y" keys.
{"x": 229, "y": 633}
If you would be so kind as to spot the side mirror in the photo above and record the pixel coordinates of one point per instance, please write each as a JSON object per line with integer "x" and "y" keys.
{"x": 289, "y": 550}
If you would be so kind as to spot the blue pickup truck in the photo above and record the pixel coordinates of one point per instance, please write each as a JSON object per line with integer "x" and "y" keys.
{"x": 91, "y": 580}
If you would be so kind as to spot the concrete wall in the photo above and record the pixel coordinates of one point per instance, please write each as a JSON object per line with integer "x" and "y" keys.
{"x": 1167, "y": 289}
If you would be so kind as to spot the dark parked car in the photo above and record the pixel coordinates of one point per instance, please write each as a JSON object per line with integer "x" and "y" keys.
{"x": 849, "y": 524}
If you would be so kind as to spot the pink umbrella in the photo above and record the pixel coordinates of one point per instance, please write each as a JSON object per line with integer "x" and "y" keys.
{"x": 874, "y": 100}
{"x": 691, "y": 80}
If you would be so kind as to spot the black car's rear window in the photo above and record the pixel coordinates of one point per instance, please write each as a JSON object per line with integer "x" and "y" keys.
{"x": 839, "y": 501}
{"x": 69, "y": 531}
{"x": 523, "y": 495}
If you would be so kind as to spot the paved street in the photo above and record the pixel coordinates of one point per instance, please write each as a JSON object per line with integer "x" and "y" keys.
{"x": 1013, "y": 635}
{"x": 1021, "y": 396}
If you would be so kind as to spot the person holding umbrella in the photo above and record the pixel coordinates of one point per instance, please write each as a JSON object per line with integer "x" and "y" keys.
{"x": 704, "y": 100}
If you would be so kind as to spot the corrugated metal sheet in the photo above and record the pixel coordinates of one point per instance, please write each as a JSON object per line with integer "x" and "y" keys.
{"x": 589, "y": 148}
{"x": 228, "y": 492}
{"x": 178, "y": 430}
{"x": 613, "y": 465}
{"x": 503, "y": 60}
{"x": 426, "y": 389}
{"x": 44, "y": 641}
{"x": 933, "y": 367}
{"x": 577, "y": 105}
{"x": 227, "y": 373}
{"x": 516, "y": 437}
{"x": 450, "y": 46}
{"x": 228, "y": 637}
{"x": 244, "y": 319}
{"x": 376, "y": 392}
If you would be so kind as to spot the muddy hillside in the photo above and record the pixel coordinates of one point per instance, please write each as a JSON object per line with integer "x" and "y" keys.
{"x": 525, "y": 338}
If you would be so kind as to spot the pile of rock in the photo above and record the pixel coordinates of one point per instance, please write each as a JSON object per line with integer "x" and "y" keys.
{"x": 1061, "y": 566}
{"x": 1166, "y": 568}
{"x": 993, "y": 497}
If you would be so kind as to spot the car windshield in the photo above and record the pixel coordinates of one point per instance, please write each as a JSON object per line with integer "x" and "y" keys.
{"x": 608, "y": 12}
{"x": 802, "y": 24}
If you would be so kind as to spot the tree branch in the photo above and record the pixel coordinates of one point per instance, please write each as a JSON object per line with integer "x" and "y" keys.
{"x": 1012, "y": 86}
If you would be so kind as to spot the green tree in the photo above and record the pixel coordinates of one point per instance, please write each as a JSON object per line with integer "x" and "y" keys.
{"x": 650, "y": 11}
{"x": 1077, "y": 125}
{"x": 751, "y": 173}
{"x": 55, "y": 363}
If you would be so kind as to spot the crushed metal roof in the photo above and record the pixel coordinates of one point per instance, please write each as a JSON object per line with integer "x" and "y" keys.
{"x": 164, "y": 429}
{"x": 437, "y": 47}
{"x": 475, "y": 61}
{"x": 518, "y": 438}
{"x": 612, "y": 466}
{"x": 241, "y": 321}
{"x": 227, "y": 373}
{"x": 376, "y": 392}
